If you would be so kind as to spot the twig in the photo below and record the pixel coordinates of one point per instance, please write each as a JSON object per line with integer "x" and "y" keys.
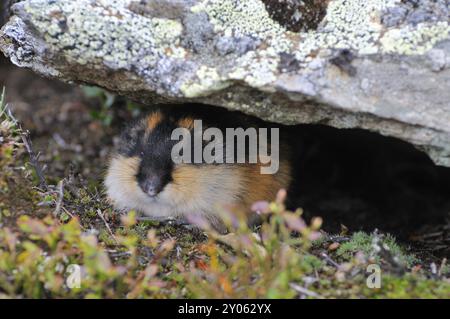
{"x": 107, "y": 225}
{"x": 70, "y": 214}
{"x": 304, "y": 291}
{"x": 34, "y": 159}
{"x": 330, "y": 261}
{"x": 120, "y": 254}
{"x": 155, "y": 219}
{"x": 164, "y": 220}
{"x": 441, "y": 268}
{"x": 60, "y": 198}
{"x": 64, "y": 145}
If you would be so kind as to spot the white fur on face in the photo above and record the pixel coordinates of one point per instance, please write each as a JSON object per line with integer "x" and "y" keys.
{"x": 204, "y": 190}
{"x": 124, "y": 192}
{"x": 195, "y": 190}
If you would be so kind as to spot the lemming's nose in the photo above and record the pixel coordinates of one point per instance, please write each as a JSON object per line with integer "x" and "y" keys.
{"x": 151, "y": 186}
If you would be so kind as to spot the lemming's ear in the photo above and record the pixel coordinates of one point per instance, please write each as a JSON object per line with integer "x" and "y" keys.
{"x": 153, "y": 119}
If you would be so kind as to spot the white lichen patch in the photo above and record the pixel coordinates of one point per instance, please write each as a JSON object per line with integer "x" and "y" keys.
{"x": 240, "y": 18}
{"x": 414, "y": 40}
{"x": 235, "y": 18}
{"x": 256, "y": 69}
{"x": 105, "y": 31}
{"x": 348, "y": 24}
{"x": 206, "y": 81}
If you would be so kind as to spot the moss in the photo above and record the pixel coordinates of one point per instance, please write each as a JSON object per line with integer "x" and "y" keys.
{"x": 105, "y": 237}
{"x": 369, "y": 245}
{"x": 409, "y": 287}
{"x": 310, "y": 263}
{"x": 297, "y": 16}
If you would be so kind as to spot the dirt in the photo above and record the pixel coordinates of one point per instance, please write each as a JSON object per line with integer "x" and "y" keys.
{"x": 62, "y": 128}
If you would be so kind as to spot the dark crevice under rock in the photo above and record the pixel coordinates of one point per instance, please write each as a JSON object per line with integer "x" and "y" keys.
{"x": 5, "y": 11}
{"x": 364, "y": 180}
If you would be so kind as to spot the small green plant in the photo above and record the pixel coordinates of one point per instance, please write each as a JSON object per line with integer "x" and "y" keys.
{"x": 372, "y": 244}
{"x": 45, "y": 234}
{"x": 10, "y": 142}
{"x": 2, "y": 102}
{"x": 36, "y": 255}
{"x": 266, "y": 264}
{"x": 34, "y": 262}
{"x": 135, "y": 109}
{"x": 104, "y": 114}
{"x": 110, "y": 106}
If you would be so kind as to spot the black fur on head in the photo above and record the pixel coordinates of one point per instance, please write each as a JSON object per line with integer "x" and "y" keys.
{"x": 149, "y": 139}
{"x": 156, "y": 167}
{"x": 153, "y": 147}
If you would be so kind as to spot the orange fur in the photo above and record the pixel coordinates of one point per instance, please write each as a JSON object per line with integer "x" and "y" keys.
{"x": 186, "y": 122}
{"x": 153, "y": 120}
{"x": 208, "y": 190}
{"x": 263, "y": 186}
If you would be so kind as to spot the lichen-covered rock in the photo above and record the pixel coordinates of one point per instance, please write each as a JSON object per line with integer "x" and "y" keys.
{"x": 382, "y": 65}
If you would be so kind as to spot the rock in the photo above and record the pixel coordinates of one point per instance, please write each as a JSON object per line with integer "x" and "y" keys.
{"x": 381, "y": 65}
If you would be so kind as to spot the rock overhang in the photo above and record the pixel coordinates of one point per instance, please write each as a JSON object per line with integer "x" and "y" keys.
{"x": 381, "y": 65}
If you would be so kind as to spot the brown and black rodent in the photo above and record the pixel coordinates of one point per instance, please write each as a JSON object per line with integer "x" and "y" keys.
{"x": 142, "y": 174}
{"x": 351, "y": 177}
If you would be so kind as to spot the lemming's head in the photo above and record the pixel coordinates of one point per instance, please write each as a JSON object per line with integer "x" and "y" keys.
{"x": 144, "y": 176}
{"x": 148, "y": 142}
{"x": 144, "y": 154}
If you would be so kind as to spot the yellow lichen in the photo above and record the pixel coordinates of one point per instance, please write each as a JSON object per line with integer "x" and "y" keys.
{"x": 207, "y": 81}
{"x": 414, "y": 40}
